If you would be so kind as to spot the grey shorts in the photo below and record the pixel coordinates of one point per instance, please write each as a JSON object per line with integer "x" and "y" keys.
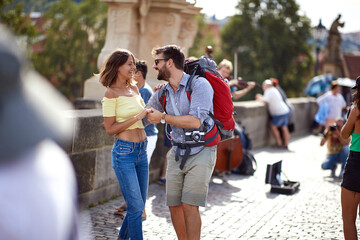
{"x": 189, "y": 185}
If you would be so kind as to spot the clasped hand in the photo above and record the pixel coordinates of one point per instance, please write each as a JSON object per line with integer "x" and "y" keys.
{"x": 154, "y": 116}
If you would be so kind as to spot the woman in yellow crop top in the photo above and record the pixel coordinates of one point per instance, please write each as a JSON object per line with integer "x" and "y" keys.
{"x": 350, "y": 186}
{"x": 123, "y": 110}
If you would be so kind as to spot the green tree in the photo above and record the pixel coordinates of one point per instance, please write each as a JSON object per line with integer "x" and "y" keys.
{"x": 204, "y": 37}
{"x": 74, "y": 35}
{"x": 11, "y": 15}
{"x": 271, "y": 40}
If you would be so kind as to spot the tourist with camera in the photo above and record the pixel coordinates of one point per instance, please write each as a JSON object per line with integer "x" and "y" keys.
{"x": 187, "y": 182}
{"x": 338, "y": 148}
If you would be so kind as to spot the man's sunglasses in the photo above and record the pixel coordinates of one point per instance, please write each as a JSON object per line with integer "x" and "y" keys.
{"x": 157, "y": 60}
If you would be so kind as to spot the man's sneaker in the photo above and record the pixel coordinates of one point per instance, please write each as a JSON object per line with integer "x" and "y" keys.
{"x": 333, "y": 171}
{"x": 162, "y": 181}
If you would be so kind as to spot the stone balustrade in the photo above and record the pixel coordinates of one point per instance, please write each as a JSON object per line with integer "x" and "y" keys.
{"x": 90, "y": 150}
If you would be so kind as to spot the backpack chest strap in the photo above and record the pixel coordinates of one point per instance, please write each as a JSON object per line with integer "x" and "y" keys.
{"x": 187, "y": 148}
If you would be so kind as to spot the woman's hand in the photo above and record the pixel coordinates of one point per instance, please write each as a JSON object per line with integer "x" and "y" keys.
{"x": 143, "y": 114}
{"x": 154, "y": 116}
{"x": 349, "y": 126}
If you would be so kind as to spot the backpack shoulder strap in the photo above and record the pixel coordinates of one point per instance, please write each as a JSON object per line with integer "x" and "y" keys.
{"x": 189, "y": 85}
{"x": 162, "y": 98}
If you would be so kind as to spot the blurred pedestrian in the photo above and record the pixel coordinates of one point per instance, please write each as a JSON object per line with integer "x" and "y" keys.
{"x": 334, "y": 103}
{"x": 38, "y": 193}
{"x": 350, "y": 186}
{"x": 146, "y": 92}
{"x": 167, "y": 146}
{"x": 291, "y": 123}
{"x": 279, "y": 113}
{"x": 123, "y": 110}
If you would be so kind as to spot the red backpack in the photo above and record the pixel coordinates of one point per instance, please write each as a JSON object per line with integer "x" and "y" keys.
{"x": 222, "y": 103}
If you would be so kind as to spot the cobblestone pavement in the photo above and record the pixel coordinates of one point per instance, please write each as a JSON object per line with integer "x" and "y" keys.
{"x": 242, "y": 207}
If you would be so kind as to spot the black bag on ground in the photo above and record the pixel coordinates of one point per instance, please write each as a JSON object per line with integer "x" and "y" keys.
{"x": 244, "y": 136}
{"x": 247, "y": 166}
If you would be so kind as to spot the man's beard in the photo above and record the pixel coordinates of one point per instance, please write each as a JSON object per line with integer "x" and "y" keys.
{"x": 164, "y": 74}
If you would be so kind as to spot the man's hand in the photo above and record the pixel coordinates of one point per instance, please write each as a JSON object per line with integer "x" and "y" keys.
{"x": 258, "y": 97}
{"x": 251, "y": 84}
{"x": 157, "y": 87}
{"x": 154, "y": 116}
{"x": 143, "y": 113}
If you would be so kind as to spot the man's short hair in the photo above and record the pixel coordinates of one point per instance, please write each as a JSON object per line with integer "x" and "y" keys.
{"x": 334, "y": 84}
{"x": 141, "y": 66}
{"x": 171, "y": 51}
{"x": 226, "y": 63}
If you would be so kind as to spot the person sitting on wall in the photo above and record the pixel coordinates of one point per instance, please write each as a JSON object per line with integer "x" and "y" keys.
{"x": 338, "y": 148}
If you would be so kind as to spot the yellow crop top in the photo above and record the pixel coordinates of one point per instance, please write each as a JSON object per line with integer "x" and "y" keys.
{"x": 123, "y": 108}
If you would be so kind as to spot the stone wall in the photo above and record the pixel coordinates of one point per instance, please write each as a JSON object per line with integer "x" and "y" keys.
{"x": 90, "y": 150}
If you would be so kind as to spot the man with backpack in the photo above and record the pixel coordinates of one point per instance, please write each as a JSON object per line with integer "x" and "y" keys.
{"x": 190, "y": 162}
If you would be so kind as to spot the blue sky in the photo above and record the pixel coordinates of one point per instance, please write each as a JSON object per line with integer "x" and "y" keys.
{"x": 327, "y": 10}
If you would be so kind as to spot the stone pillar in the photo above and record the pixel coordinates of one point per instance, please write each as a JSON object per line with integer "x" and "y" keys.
{"x": 122, "y": 32}
{"x": 168, "y": 22}
{"x": 141, "y": 25}
{"x": 122, "y": 28}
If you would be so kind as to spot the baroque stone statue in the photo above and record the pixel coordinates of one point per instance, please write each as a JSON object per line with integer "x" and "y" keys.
{"x": 332, "y": 49}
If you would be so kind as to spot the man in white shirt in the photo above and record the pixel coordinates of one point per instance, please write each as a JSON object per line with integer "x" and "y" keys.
{"x": 279, "y": 113}
{"x": 335, "y": 102}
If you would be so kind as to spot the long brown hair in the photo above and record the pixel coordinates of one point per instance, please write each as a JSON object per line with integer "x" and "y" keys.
{"x": 356, "y": 100}
{"x": 109, "y": 71}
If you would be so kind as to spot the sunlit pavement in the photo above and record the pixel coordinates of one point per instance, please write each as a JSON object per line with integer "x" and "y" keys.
{"x": 242, "y": 207}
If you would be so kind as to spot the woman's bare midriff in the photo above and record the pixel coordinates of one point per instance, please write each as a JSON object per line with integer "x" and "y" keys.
{"x": 132, "y": 135}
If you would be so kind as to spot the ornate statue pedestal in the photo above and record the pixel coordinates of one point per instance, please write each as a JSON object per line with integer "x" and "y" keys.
{"x": 141, "y": 25}
{"x": 332, "y": 68}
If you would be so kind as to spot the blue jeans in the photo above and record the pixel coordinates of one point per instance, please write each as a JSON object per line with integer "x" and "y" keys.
{"x": 333, "y": 159}
{"x": 129, "y": 161}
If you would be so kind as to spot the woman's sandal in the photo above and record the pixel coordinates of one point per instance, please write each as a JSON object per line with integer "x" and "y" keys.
{"x": 120, "y": 210}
